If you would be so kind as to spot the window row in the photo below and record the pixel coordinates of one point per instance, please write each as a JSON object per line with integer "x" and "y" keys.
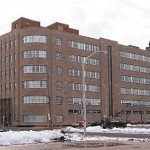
{"x": 83, "y": 46}
{"x": 135, "y": 112}
{"x": 10, "y": 72}
{"x": 34, "y": 54}
{"x": 134, "y": 56}
{"x": 8, "y": 59}
{"x": 35, "y": 84}
{"x": 34, "y": 39}
{"x": 135, "y": 68}
{"x": 8, "y": 44}
{"x": 9, "y": 86}
{"x": 76, "y": 111}
{"x": 40, "y": 118}
{"x": 79, "y": 101}
{"x": 79, "y": 73}
{"x": 135, "y": 103}
{"x": 134, "y": 79}
{"x": 79, "y": 59}
{"x": 35, "y": 99}
{"x": 35, "y": 69}
{"x": 35, "y": 118}
{"x": 88, "y": 88}
{"x": 135, "y": 92}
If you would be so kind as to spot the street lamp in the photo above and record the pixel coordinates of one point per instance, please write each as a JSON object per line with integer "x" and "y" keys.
{"x": 83, "y": 83}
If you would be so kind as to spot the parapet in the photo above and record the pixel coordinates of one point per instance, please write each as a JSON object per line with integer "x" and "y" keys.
{"x": 62, "y": 27}
{"x": 24, "y": 23}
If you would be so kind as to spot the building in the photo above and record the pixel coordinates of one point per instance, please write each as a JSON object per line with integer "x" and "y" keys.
{"x": 41, "y": 77}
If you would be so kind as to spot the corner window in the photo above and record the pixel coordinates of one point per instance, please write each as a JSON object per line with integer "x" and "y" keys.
{"x": 34, "y": 54}
{"x": 34, "y": 39}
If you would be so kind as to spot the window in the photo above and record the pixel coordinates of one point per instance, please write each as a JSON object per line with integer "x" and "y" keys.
{"x": 35, "y": 99}
{"x": 78, "y": 59}
{"x": 2, "y": 60}
{"x": 34, "y": 39}
{"x": 58, "y": 56}
{"x": 10, "y": 44}
{"x": 59, "y": 118}
{"x": 15, "y": 72}
{"x": 74, "y": 111}
{"x": 34, "y": 69}
{"x": 83, "y": 46}
{"x": 59, "y": 100}
{"x": 79, "y": 87}
{"x": 89, "y": 101}
{"x": 59, "y": 70}
{"x": 10, "y": 58}
{"x": 58, "y": 41}
{"x": 35, "y": 84}
{"x": 59, "y": 85}
{"x": 88, "y": 74}
{"x": 15, "y": 58}
{"x": 6, "y": 59}
{"x": 35, "y": 118}
{"x": 15, "y": 85}
{"x": 34, "y": 54}
{"x": 15, "y": 42}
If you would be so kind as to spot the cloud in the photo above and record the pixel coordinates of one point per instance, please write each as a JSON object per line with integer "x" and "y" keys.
{"x": 126, "y": 21}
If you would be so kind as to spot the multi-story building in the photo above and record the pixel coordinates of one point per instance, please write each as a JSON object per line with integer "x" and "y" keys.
{"x": 41, "y": 77}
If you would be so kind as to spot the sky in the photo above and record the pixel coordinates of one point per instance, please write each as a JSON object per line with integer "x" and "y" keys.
{"x": 125, "y": 21}
{"x": 47, "y": 136}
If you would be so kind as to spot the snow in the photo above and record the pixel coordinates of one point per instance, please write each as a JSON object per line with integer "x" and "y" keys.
{"x": 99, "y": 129}
{"x": 47, "y": 136}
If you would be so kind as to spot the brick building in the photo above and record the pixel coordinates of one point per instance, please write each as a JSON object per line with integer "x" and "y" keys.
{"x": 41, "y": 77}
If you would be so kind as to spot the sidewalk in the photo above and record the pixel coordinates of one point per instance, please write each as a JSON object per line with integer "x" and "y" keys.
{"x": 81, "y": 146}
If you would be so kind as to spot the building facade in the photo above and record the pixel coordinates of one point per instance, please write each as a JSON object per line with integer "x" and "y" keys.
{"x": 41, "y": 77}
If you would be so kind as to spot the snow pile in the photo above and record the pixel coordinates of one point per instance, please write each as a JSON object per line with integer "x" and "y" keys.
{"x": 28, "y": 137}
{"x": 99, "y": 129}
{"x": 46, "y": 136}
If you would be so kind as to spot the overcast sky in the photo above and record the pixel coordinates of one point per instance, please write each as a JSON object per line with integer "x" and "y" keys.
{"x": 125, "y": 21}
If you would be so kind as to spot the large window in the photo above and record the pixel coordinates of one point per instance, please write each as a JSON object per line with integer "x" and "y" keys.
{"x": 135, "y": 103}
{"x": 135, "y": 91}
{"x": 89, "y": 101}
{"x": 34, "y": 54}
{"x": 35, "y": 118}
{"x": 83, "y": 46}
{"x": 79, "y": 87}
{"x": 34, "y": 69}
{"x": 78, "y": 59}
{"x": 78, "y": 73}
{"x": 34, "y": 39}
{"x": 132, "y": 79}
{"x": 35, "y": 84}
{"x": 134, "y": 56}
{"x": 35, "y": 99}
{"x": 135, "y": 68}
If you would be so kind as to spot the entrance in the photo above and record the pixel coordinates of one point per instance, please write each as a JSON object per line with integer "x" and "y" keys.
{"x": 5, "y": 112}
